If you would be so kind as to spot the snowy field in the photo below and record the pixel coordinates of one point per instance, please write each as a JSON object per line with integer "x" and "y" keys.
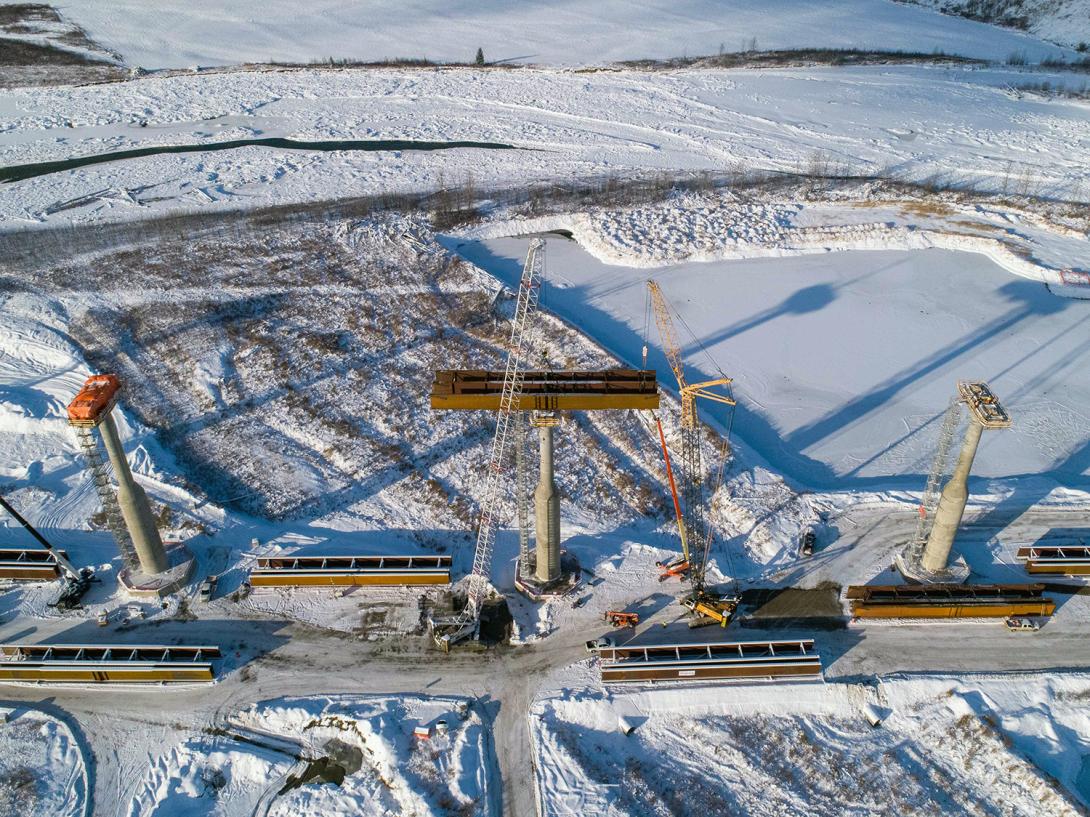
{"x": 928, "y": 124}
{"x": 311, "y": 757}
{"x": 42, "y": 767}
{"x": 177, "y": 34}
{"x": 1009, "y": 745}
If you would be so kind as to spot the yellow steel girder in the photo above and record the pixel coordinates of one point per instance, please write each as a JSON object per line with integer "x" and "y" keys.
{"x": 547, "y": 402}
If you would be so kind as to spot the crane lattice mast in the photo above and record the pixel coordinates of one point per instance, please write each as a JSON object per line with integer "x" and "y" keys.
{"x": 692, "y": 525}
{"x": 468, "y": 622}
{"x": 940, "y": 467}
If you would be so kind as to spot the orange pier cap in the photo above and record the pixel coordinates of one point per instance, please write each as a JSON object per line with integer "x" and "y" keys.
{"x": 94, "y": 401}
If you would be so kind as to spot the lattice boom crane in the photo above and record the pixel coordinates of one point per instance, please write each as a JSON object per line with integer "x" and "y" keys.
{"x": 692, "y": 526}
{"x": 450, "y": 631}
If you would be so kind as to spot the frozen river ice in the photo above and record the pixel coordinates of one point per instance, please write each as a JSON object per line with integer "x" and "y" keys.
{"x": 844, "y": 362}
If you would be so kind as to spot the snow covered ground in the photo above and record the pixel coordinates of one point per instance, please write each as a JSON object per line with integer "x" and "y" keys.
{"x": 940, "y": 125}
{"x": 981, "y": 744}
{"x": 327, "y": 755}
{"x": 277, "y": 370}
{"x": 43, "y": 772}
{"x": 42, "y": 27}
{"x": 178, "y": 34}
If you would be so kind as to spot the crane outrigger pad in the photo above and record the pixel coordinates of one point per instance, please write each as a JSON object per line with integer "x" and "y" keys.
{"x": 949, "y": 601}
{"x": 100, "y": 663}
{"x": 1067, "y": 560}
{"x": 29, "y": 564}
{"x": 733, "y": 660}
{"x": 347, "y": 571}
{"x": 480, "y": 390}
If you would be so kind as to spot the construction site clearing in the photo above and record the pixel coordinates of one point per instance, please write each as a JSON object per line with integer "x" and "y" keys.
{"x": 468, "y": 612}
{"x": 522, "y": 399}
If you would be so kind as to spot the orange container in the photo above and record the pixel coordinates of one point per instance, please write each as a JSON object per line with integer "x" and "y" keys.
{"x": 97, "y": 396}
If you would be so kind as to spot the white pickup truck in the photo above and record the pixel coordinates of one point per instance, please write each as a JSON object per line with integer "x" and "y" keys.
{"x": 603, "y": 643}
{"x": 1015, "y": 624}
{"x": 208, "y": 587}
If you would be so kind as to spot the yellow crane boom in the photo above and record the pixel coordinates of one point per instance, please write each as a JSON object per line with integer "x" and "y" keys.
{"x": 691, "y": 521}
{"x": 670, "y": 346}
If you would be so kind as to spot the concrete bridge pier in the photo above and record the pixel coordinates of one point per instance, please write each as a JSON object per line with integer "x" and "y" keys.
{"x": 547, "y": 512}
{"x": 134, "y": 504}
{"x": 951, "y": 504}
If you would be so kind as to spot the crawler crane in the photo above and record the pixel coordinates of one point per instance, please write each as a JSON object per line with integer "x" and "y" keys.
{"x": 707, "y": 607}
{"x": 452, "y": 629}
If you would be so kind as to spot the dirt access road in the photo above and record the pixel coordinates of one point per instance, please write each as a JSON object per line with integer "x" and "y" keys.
{"x": 123, "y": 726}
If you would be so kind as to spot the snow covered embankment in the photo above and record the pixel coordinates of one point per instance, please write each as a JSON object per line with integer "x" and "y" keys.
{"x": 1062, "y": 21}
{"x": 718, "y": 227}
{"x": 305, "y": 757}
{"x": 42, "y": 769}
{"x": 1001, "y": 745}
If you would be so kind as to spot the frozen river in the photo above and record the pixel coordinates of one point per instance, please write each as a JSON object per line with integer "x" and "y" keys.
{"x": 844, "y": 362}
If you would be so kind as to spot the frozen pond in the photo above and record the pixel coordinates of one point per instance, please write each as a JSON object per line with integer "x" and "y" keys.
{"x": 844, "y": 362}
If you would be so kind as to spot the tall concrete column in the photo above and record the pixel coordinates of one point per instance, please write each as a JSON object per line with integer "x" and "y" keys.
{"x": 547, "y": 513}
{"x": 951, "y": 504}
{"x": 134, "y": 504}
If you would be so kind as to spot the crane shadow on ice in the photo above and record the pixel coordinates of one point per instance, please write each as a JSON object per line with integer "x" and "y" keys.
{"x": 1028, "y": 299}
{"x": 1030, "y": 491}
{"x": 844, "y": 448}
{"x": 802, "y": 301}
